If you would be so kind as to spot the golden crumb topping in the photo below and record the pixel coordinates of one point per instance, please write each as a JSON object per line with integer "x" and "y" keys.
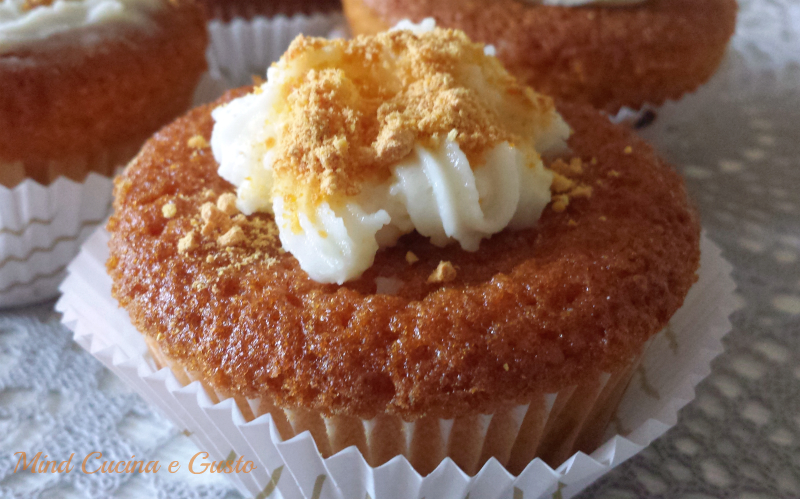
{"x": 169, "y": 210}
{"x": 197, "y": 142}
{"x": 351, "y": 109}
{"x": 566, "y": 184}
{"x": 229, "y": 236}
{"x": 214, "y": 218}
{"x": 233, "y": 237}
{"x": 445, "y": 272}
{"x": 187, "y": 242}
{"x": 227, "y": 204}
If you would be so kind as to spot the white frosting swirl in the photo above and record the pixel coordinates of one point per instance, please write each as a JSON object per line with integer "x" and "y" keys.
{"x": 19, "y": 26}
{"x": 436, "y": 193}
{"x": 434, "y": 190}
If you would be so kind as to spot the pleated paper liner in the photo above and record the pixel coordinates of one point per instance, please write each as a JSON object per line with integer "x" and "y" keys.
{"x": 244, "y": 48}
{"x": 289, "y": 447}
{"x": 551, "y": 426}
{"x": 41, "y": 230}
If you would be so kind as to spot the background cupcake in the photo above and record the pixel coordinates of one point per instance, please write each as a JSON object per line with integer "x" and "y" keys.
{"x": 606, "y": 54}
{"x": 84, "y": 84}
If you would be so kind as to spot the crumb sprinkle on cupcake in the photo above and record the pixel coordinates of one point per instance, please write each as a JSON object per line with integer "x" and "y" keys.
{"x": 445, "y": 272}
{"x": 197, "y": 142}
{"x": 169, "y": 210}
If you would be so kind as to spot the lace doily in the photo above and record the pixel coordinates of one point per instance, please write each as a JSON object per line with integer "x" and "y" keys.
{"x": 737, "y": 143}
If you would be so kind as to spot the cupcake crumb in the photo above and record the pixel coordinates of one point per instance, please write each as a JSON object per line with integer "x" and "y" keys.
{"x": 561, "y": 183}
{"x": 581, "y": 191}
{"x": 411, "y": 258}
{"x": 214, "y": 219}
{"x": 613, "y": 174}
{"x": 560, "y": 203}
{"x": 445, "y": 272}
{"x": 169, "y": 210}
{"x": 572, "y": 223}
{"x": 233, "y": 237}
{"x": 628, "y": 150}
{"x": 187, "y": 242}
{"x": 603, "y": 218}
{"x": 505, "y": 367}
{"x": 197, "y": 142}
{"x": 573, "y": 168}
{"x": 227, "y": 204}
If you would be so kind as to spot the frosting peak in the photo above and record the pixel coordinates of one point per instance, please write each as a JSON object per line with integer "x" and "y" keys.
{"x": 353, "y": 143}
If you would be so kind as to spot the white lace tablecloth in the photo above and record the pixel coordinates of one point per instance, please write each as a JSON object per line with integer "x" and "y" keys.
{"x": 737, "y": 141}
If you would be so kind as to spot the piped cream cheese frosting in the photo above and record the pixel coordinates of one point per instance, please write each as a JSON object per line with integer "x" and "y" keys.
{"x": 352, "y": 144}
{"x": 26, "y": 21}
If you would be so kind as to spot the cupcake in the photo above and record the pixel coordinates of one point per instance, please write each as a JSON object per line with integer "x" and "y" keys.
{"x": 610, "y": 54}
{"x": 396, "y": 246}
{"x": 84, "y": 84}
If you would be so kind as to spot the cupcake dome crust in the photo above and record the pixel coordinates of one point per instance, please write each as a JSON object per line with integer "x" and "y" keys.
{"x": 605, "y": 56}
{"x": 86, "y": 91}
{"x": 532, "y": 311}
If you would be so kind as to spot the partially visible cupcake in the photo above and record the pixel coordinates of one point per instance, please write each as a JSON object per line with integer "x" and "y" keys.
{"x": 226, "y": 10}
{"x": 84, "y": 83}
{"x": 394, "y": 245}
{"x": 608, "y": 53}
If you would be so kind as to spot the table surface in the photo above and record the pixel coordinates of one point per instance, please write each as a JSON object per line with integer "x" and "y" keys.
{"x": 737, "y": 142}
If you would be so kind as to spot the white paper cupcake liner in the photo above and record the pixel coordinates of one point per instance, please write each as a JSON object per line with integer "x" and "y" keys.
{"x": 242, "y": 48}
{"x": 552, "y": 426}
{"x": 41, "y": 230}
{"x": 675, "y": 361}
